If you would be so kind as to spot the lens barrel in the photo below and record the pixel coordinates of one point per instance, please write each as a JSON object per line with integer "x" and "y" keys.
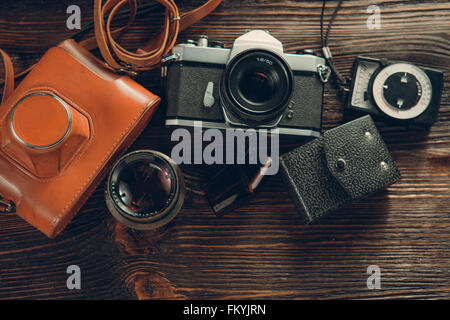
{"x": 145, "y": 190}
{"x": 256, "y": 86}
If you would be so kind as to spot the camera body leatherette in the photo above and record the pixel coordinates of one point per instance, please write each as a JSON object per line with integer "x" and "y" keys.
{"x": 61, "y": 130}
{"x": 346, "y": 163}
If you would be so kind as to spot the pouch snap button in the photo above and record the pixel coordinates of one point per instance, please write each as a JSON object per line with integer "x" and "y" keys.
{"x": 341, "y": 164}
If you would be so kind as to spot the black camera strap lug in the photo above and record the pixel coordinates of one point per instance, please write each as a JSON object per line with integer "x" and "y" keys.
{"x": 340, "y": 80}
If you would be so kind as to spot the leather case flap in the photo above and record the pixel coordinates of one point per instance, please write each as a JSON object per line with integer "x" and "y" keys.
{"x": 358, "y": 158}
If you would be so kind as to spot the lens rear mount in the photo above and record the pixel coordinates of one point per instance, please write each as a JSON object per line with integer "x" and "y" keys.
{"x": 256, "y": 86}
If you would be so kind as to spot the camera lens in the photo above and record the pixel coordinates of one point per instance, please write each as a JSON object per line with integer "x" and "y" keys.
{"x": 144, "y": 187}
{"x": 256, "y": 86}
{"x": 145, "y": 190}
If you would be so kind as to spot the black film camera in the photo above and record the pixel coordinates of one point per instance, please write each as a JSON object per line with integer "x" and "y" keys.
{"x": 252, "y": 85}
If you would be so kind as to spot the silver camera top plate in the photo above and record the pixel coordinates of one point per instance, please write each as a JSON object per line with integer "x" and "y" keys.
{"x": 256, "y": 39}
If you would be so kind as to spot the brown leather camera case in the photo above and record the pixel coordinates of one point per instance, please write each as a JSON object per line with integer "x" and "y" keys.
{"x": 61, "y": 130}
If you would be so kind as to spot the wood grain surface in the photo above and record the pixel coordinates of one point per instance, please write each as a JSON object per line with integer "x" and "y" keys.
{"x": 261, "y": 250}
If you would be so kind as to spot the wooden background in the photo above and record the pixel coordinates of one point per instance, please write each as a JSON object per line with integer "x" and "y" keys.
{"x": 259, "y": 251}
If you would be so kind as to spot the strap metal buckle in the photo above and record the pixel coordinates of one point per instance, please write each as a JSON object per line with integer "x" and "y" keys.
{"x": 127, "y": 69}
{"x": 324, "y": 73}
{"x": 7, "y": 206}
{"x": 174, "y": 56}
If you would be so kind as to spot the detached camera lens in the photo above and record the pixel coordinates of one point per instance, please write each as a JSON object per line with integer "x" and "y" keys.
{"x": 145, "y": 190}
{"x": 144, "y": 187}
{"x": 257, "y": 86}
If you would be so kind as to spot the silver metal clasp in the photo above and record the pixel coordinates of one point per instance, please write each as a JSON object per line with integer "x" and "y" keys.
{"x": 7, "y": 206}
{"x": 324, "y": 73}
{"x": 132, "y": 74}
{"x": 174, "y": 56}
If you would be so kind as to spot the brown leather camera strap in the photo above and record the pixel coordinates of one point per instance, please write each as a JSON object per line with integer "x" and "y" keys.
{"x": 9, "y": 75}
{"x": 151, "y": 55}
{"x": 146, "y": 58}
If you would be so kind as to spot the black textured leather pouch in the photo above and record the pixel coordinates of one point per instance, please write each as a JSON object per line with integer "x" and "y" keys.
{"x": 346, "y": 163}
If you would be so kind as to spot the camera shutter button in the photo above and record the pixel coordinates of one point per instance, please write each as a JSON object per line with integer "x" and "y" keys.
{"x": 203, "y": 41}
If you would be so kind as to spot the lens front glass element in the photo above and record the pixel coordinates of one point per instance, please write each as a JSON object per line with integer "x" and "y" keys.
{"x": 144, "y": 187}
{"x": 257, "y": 86}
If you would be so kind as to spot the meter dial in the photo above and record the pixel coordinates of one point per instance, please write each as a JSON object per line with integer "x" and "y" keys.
{"x": 365, "y": 70}
{"x": 401, "y": 91}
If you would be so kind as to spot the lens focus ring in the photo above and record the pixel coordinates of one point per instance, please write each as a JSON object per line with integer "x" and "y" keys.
{"x": 257, "y": 86}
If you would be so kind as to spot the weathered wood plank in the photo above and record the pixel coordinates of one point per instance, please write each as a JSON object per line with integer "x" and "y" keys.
{"x": 261, "y": 250}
